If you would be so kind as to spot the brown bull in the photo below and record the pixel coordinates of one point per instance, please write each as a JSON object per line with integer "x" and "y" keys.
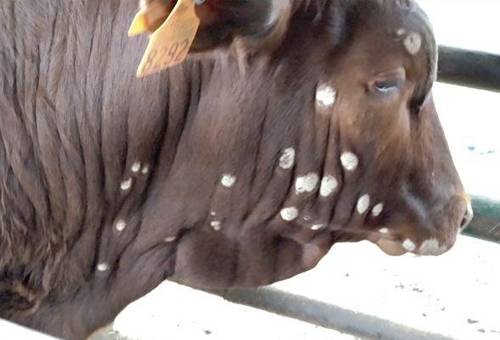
{"x": 293, "y": 125}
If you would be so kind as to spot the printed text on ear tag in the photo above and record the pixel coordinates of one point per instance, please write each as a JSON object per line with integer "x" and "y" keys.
{"x": 169, "y": 44}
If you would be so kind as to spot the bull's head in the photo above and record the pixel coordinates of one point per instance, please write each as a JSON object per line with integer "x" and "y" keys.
{"x": 327, "y": 132}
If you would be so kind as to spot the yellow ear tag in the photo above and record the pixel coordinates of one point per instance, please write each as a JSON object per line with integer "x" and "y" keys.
{"x": 145, "y": 20}
{"x": 169, "y": 44}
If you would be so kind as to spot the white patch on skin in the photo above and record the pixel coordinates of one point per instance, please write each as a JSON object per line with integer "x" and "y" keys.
{"x": 228, "y": 180}
{"x": 413, "y": 43}
{"x": 216, "y": 225}
{"x": 136, "y": 167}
{"x": 431, "y": 247}
{"x": 384, "y": 231}
{"x": 377, "y": 209}
{"x": 409, "y": 245}
{"x": 145, "y": 169}
{"x": 349, "y": 161}
{"x": 328, "y": 186}
{"x": 120, "y": 225}
{"x": 306, "y": 183}
{"x": 212, "y": 213}
{"x": 287, "y": 159}
{"x": 102, "y": 267}
{"x": 126, "y": 185}
{"x": 318, "y": 226}
{"x": 170, "y": 239}
{"x": 401, "y": 32}
{"x": 363, "y": 204}
{"x": 326, "y": 95}
{"x": 289, "y": 214}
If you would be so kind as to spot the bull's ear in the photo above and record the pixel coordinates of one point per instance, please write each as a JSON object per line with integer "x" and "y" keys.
{"x": 221, "y": 21}
{"x": 255, "y": 21}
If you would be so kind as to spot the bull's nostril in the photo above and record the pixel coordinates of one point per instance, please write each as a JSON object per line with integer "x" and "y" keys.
{"x": 467, "y": 219}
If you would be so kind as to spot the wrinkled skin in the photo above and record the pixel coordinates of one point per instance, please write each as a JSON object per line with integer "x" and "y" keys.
{"x": 110, "y": 185}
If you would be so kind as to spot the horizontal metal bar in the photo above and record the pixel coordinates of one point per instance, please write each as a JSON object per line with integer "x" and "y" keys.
{"x": 469, "y": 68}
{"x": 486, "y": 222}
{"x": 325, "y": 315}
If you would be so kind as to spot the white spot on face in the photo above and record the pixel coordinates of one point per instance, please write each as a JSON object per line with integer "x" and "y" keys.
{"x": 289, "y": 214}
{"x": 409, "y": 245}
{"x": 136, "y": 167}
{"x": 121, "y": 225}
{"x": 468, "y": 216}
{"x": 170, "y": 239}
{"x": 306, "y": 183}
{"x": 328, "y": 186}
{"x": 102, "y": 267}
{"x": 216, "y": 225}
{"x": 287, "y": 159}
{"x": 363, "y": 204}
{"x": 228, "y": 180}
{"x": 126, "y": 185}
{"x": 431, "y": 247}
{"x": 383, "y": 231}
{"x": 377, "y": 209}
{"x": 318, "y": 226}
{"x": 145, "y": 169}
{"x": 325, "y": 95}
{"x": 349, "y": 161}
{"x": 413, "y": 43}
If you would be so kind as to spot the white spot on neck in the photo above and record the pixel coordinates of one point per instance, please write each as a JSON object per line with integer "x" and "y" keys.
{"x": 431, "y": 247}
{"x": 377, "y": 209}
{"x": 228, "y": 180}
{"x": 287, "y": 159}
{"x": 289, "y": 214}
{"x": 316, "y": 227}
{"x": 216, "y": 225}
{"x": 363, "y": 204}
{"x": 102, "y": 267}
{"x": 383, "y": 231}
{"x": 136, "y": 167}
{"x": 306, "y": 183}
{"x": 328, "y": 186}
{"x": 120, "y": 225}
{"x": 170, "y": 239}
{"x": 326, "y": 95}
{"x": 145, "y": 169}
{"x": 413, "y": 43}
{"x": 126, "y": 185}
{"x": 349, "y": 161}
{"x": 409, "y": 245}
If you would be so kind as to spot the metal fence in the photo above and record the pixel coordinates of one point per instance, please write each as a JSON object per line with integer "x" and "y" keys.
{"x": 482, "y": 71}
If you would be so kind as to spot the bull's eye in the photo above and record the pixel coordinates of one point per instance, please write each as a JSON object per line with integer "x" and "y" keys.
{"x": 388, "y": 83}
{"x": 386, "y": 86}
